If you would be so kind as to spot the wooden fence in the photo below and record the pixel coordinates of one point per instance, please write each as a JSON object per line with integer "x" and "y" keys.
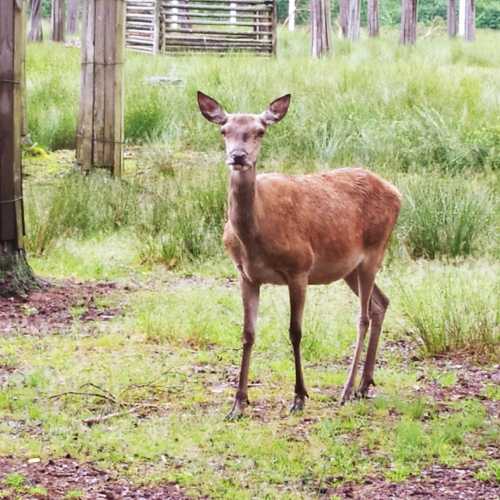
{"x": 221, "y": 26}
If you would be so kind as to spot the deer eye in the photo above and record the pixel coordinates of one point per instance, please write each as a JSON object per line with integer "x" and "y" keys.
{"x": 259, "y": 133}
{"x": 222, "y": 131}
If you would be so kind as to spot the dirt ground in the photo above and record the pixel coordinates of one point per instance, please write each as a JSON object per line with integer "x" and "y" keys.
{"x": 55, "y": 307}
{"x": 61, "y": 303}
{"x": 59, "y": 477}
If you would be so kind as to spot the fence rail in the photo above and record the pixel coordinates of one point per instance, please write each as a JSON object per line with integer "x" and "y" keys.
{"x": 219, "y": 26}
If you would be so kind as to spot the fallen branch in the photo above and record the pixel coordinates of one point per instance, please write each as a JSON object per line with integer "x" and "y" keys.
{"x": 102, "y": 418}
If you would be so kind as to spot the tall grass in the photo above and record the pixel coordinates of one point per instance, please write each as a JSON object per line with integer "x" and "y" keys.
{"x": 436, "y": 106}
{"x": 447, "y": 307}
{"x": 445, "y": 217}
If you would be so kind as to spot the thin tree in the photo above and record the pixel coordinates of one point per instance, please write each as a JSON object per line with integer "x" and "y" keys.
{"x": 344, "y": 17}
{"x": 452, "y": 18}
{"x": 321, "y": 28}
{"x": 373, "y": 18}
{"x": 470, "y": 20}
{"x": 36, "y": 31}
{"x": 354, "y": 20}
{"x": 72, "y": 21}
{"x": 16, "y": 276}
{"x": 408, "y": 34}
{"x": 291, "y": 15}
{"x": 57, "y": 19}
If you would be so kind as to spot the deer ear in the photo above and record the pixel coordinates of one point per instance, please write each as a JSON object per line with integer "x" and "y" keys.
{"x": 211, "y": 109}
{"x": 276, "y": 110}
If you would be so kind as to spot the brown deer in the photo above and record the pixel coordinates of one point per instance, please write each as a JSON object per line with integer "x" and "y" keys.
{"x": 302, "y": 230}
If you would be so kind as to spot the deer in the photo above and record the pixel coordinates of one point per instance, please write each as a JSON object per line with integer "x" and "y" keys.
{"x": 300, "y": 230}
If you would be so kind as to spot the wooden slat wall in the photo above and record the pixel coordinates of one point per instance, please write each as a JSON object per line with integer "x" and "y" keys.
{"x": 218, "y": 26}
{"x": 180, "y": 26}
{"x": 142, "y": 25}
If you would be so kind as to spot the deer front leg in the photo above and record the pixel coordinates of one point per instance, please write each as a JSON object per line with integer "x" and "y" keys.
{"x": 250, "y": 296}
{"x": 297, "y": 289}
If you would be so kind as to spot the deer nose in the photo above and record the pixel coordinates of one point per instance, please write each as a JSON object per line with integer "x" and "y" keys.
{"x": 238, "y": 157}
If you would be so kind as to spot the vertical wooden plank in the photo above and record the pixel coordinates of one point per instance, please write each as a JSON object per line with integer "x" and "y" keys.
{"x": 11, "y": 77}
{"x": 119, "y": 90}
{"x": 85, "y": 133}
{"x": 99, "y": 84}
{"x": 274, "y": 20}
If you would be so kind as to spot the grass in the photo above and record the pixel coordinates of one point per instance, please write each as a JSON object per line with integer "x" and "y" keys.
{"x": 426, "y": 118}
{"x": 178, "y": 353}
{"x": 432, "y": 107}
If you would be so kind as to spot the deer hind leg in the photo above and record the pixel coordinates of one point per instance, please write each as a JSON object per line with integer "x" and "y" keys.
{"x": 365, "y": 283}
{"x": 250, "y": 296}
{"x": 297, "y": 290}
{"x": 379, "y": 305}
{"x": 377, "y": 309}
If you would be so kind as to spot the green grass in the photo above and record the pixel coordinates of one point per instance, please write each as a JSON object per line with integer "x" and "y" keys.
{"x": 174, "y": 354}
{"x": 426, "y": 118}
{"x": 434, "y": 106}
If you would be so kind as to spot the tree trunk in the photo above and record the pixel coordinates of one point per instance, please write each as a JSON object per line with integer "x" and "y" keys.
{"x": 99, "y": 141}
{"x": 321, "y": 28}
{"x": 470, "y": 20}
{"x": 16, "y": 276}
{"x": 57, "y": 18}
{"x": 452, "y": 18}
{"x": 373, "y": 18}
{"x": 408, "y": 22}
{"x": 291, "y": 15}
{"x": 354, "y": 21}
{"x": 344, "y": 17}
{"x": 72, "y": 23}
{"x": 36, "y": 32}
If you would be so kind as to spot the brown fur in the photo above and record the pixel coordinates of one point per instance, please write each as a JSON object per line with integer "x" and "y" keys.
{"x": 302, "y": 230}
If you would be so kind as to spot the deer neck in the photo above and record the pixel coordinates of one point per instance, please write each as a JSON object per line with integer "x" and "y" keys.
{"x": 242, "y": 195}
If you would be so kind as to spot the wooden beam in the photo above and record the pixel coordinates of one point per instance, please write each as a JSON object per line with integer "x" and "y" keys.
{"x": 100, "y": 127}
{"x": 12, "y": 43}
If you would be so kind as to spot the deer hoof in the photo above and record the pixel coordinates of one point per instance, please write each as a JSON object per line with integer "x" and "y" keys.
{"x": 236, "y": 412}
{"x": 298, "y": 404}
{"x": 346, "y": 395}
{"x": 364, "y": 387}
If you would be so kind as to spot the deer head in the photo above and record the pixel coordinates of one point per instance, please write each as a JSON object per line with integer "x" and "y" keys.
{"x": 242, "y": 132}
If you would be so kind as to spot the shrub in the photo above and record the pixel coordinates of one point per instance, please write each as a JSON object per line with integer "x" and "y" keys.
{"x": 444, "y": 217}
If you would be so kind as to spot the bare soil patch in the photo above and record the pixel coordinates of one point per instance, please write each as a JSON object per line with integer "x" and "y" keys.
{"x": 438, "y": 482}
{"x": 55, "y": 307}
{"x": 64, "y": 475}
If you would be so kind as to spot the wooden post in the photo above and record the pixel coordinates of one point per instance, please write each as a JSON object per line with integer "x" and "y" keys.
{"x": 57, "y": 18}
{"x": 354, "y": 20}
{"x": 72, "y": 23}
{"x": 321, "y": 29}
{"x": 373, "y": 18}
{"x": 408, "y": 34}
{"x": 344, "y": 17}
{"x": 470, "y": 20}
{"x": 15, "y": 274}
{"x": 36, "y": 32}
{"x": 100, "y": 128}
{"x": 452, "y": 18}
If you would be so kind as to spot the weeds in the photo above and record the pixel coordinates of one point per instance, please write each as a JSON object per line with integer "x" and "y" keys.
{"x": 448, "y": 308}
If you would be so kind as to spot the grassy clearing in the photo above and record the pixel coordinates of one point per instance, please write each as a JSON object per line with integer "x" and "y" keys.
{"x": 176, "y": 354}
{"x": 420, "y": 117}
